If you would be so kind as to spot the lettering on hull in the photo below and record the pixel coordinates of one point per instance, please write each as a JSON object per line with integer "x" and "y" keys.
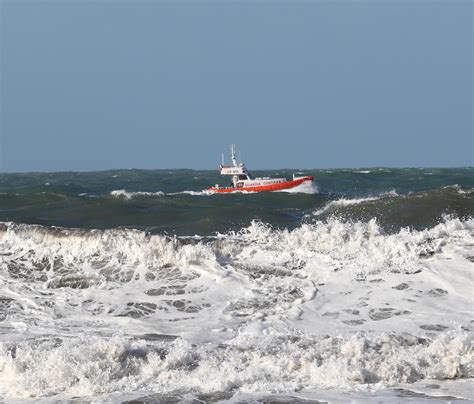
{"x": 277, "y": 186}
{"x": 243, "y": 181}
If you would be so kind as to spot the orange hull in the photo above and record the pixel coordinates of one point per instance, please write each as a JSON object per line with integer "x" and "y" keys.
{"x": 265, "y": 188}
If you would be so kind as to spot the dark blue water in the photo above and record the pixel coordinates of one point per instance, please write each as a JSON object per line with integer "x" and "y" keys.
{"x": 162, "y": 201}
{"x": 348, "y": 302}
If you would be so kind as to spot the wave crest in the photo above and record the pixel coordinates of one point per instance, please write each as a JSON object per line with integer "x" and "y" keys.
{"x": 359, "y": 247}
{"x": 121, "y": 193}
{"x": 252, "y": 362}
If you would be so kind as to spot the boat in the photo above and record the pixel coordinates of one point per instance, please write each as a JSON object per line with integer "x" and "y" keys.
{"x": 242, "y": 180}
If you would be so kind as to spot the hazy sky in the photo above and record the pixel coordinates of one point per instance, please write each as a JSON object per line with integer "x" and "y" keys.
{"x": 101, "y": 84}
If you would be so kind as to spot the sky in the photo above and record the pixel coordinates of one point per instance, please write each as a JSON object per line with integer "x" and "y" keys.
{"x": 92, "y": 85}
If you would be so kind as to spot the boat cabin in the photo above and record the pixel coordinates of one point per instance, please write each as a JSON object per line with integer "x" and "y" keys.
{"x": 239, "y": 174}
{"x": 242, "y": 180}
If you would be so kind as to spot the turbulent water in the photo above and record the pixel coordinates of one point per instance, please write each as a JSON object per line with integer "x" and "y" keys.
{"x": 138, "y": 285}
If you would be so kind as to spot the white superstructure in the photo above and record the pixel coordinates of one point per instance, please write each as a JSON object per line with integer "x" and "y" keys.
{"x": 241, "y": 178}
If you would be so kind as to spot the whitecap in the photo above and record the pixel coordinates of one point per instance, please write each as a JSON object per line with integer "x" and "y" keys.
{"x": 356, "y": 201}
{"x": 257, "y": 310}
{"x": 122, "y": 193}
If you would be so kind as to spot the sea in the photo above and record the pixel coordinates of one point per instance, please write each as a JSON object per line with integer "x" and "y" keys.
{"x": 139, "y": 286}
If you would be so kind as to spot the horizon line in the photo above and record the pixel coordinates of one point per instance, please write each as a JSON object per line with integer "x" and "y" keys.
{"x": 257, "y": 169}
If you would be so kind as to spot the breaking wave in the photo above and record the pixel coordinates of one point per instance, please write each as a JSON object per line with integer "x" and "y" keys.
{"x": 360, "y": 246}
{"x": 347, "y": 202}
{"x": 394, "y": 211}
{"x": 330, "y": 304}
{"x": 304, "y": 188}
{"x": 121, "y": 193}
{"x": 252, "y": 362}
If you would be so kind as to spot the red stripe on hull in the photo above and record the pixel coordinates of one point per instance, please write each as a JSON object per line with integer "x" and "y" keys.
{"x": 265, "y": 188}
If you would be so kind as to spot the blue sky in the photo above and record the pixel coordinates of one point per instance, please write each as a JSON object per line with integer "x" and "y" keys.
{"x": 90, "y": 85}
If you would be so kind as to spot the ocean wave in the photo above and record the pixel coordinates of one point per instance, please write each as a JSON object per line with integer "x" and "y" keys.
{"x": 459, "y": 189}
{"x": 356, "y": 201}
{"x": 304, "y": 188}
{"x": 257, "y": 360}
{"x": 359, "y": 246}
{"x": 204, "y": 192}
{"x": 394, "y": 211}
{"x": 122, "y": 193}
{"x": 65, "y": 250}
{"x": 256, "y": 310}
{"x": 370, "y": 296}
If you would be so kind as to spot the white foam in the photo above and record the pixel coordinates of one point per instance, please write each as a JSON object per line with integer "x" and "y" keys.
{"x": 355, "y": 201}
{"x": 459, "y": 189}
{"x": 327, "y": 305}
{"x": 204, "y": 192}
{"x": 253, "y": 362}
{"x": 122, "y": 193}
{"x": 244, "y": 192}
{"x": 307, "y": 187}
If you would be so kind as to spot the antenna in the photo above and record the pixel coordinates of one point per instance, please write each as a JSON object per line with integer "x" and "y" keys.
{"x": 232, "y": 155}
{"x": 222, "y": 158}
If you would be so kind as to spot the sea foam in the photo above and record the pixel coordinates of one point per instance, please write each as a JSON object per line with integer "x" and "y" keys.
{"x": 250, "y": 363}
{"x": 328, "y": 305}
